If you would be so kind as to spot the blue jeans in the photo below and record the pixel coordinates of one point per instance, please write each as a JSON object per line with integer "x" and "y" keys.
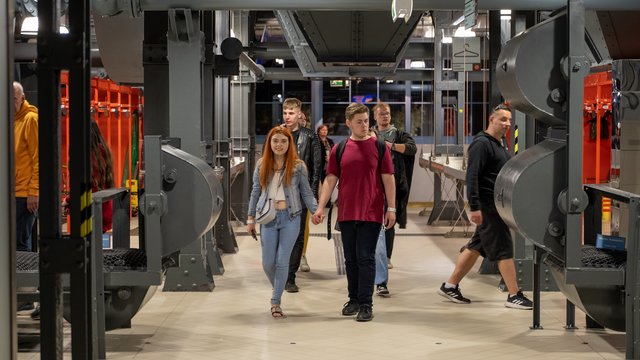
{"x": 382, "y": 271}
{"x": 359, "y": 240}
{"x": 277, "y": 239}
{"x": 24, "y": 225}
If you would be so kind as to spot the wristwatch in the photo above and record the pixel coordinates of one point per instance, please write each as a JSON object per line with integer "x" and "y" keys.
{"x": 391, "y": 209}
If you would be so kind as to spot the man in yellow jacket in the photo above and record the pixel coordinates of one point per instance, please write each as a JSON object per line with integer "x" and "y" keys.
{"x": 26, "y": 165}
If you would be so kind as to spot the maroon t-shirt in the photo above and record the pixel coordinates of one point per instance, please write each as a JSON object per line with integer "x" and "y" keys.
{"x": 360, "y": 189}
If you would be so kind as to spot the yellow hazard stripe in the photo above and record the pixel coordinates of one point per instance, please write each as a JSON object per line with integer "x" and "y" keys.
{"x": 85, "y": 202}
{"x": 515, "y": 140}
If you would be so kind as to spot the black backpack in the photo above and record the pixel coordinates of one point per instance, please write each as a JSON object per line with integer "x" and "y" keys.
{"x": 381, "y": 148}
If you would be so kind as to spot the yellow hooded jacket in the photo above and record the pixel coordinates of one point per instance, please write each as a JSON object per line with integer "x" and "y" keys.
{"x": 26, "y": 150}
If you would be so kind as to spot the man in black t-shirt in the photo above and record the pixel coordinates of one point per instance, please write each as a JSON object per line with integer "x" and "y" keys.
{"x": 492, "y": 238}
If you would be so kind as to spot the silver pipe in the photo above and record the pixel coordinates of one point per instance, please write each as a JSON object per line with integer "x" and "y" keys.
{"x": 400, "y": 74}
{"x": 135, "y": 7}
{"x": 268, "y": 51}
{"x": 376, "y": 5}
{"x": 257, "y": 70}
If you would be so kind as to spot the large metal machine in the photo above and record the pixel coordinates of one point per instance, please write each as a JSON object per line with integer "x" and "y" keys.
{"x": 540, "y": 192}
{"x": 182, "y": 201}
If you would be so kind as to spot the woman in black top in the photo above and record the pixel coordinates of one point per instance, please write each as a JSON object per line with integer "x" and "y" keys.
{"x": 325, "y": 145}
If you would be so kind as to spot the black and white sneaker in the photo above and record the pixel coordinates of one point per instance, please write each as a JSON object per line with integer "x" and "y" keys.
{"x": 453, "y": 294}
{"x": 519, "y": 301}
{"x": 382, "y": 290}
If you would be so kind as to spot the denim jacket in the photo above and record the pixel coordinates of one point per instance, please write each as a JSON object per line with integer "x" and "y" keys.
{"x": 297, "y": 189}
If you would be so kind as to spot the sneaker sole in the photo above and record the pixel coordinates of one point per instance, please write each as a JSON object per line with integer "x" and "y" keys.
{"x": 355, "y": 313}
{"x": 454, "y": 300}
{"x": 364, "y": 320}
{"x": 516, "y": 306}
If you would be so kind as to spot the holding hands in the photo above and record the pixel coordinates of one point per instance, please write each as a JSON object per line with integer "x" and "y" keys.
{"x": 318, "y": 216}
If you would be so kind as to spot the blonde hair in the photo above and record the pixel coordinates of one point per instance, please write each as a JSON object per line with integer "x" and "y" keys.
{"x": 289, "y": 103}
{"x": 380, "y": 105}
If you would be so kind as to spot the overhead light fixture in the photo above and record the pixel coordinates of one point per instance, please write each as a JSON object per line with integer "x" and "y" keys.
{"x": 401, "y": 9}
{"x": 505, "y": 12}
{"x": 463, "y": 32}
{"x": 458, "y": 21}
{"x": 30, "y": 27}
{"x": 389, "y": 81}
{"x": 280, "y": 61}
{"x": 447, "y": 39}
{"x": 418, "y": 64}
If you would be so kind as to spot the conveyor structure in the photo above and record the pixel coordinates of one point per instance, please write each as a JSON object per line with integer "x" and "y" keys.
{"x": 181, "y": 202}
{"x": 540, "y": 192}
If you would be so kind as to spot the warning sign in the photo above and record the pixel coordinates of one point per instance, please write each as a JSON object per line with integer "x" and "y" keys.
{"x": 465, "y": 54}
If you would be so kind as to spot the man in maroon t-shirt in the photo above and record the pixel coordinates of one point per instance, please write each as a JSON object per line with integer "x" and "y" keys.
{"x": 361, "y": 213}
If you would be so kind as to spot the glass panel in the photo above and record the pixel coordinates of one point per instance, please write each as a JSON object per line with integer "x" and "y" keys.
{"x": 265, "y": 119}
{"x": 364, "y": 91}
{"x": 421, "y": 92}
{"x": 334, "y": 118}
{"x": 422, "y": 122}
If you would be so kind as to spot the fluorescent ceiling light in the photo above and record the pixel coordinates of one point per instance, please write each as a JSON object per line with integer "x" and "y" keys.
{"x": 505, "y": 12}
{"x": 30, "y": 27}
{"x": 447, "y": 40}
{"x": 462, "y": 32}
{"x": 458, "y": 21}
{"x": 417, "y": 65}
{"x": 389, "y": 81}
{"x": 280, "y": 61}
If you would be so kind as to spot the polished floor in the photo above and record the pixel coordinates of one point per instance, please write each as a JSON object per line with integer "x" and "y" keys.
{"x": 233, "y": 321}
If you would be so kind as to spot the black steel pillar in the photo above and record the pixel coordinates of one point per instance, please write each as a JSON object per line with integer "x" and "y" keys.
{"x": 65, "y": 254}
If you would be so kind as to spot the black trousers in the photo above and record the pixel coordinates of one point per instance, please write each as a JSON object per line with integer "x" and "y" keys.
{"x": 296, "y": 253}
{"x": 24, "y": 225}
{"x": 359, "y": 240}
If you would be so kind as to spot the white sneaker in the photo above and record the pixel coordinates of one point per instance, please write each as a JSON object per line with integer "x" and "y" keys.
{"x": 304, "y": 266}
{"x": 389, "y": 264}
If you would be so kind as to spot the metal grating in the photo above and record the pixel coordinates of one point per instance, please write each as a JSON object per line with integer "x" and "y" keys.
{"x": 114, "y": 260}
{"x": 602, "y": 258}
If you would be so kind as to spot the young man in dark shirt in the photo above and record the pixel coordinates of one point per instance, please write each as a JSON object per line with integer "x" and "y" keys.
{"x": 403, "y": 150}
{"x": 307, "y": 146}
{"x": 492, "y": 238}
{"x": 365, "y": 182}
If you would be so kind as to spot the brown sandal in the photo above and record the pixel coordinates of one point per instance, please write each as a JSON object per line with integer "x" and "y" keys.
{"x": 276, "y": 312}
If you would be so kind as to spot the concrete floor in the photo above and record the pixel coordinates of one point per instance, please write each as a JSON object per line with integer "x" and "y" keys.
{"x": 233, "y": 321}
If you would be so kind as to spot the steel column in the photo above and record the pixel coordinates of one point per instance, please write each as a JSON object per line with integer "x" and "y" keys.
{"x": 225, "y": 238}
{"x": 71, "y": 255}
{"x": 8, "y": 342}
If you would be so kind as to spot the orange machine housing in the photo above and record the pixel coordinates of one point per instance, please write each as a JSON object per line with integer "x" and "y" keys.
{"x": 597, "y": 128}
{"x": 113, "y": 107}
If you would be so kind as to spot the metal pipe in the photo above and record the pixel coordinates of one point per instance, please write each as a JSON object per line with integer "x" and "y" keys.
{"x": 135, "y": 7}
{"x": 257, "y": 70}
{"x": 376, "y": 5}
{"x": 400, "y": 74}
{"x": 282, "y": 50}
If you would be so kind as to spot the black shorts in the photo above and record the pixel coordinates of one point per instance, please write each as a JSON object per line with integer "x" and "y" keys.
{"x": 492, "y": 238}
